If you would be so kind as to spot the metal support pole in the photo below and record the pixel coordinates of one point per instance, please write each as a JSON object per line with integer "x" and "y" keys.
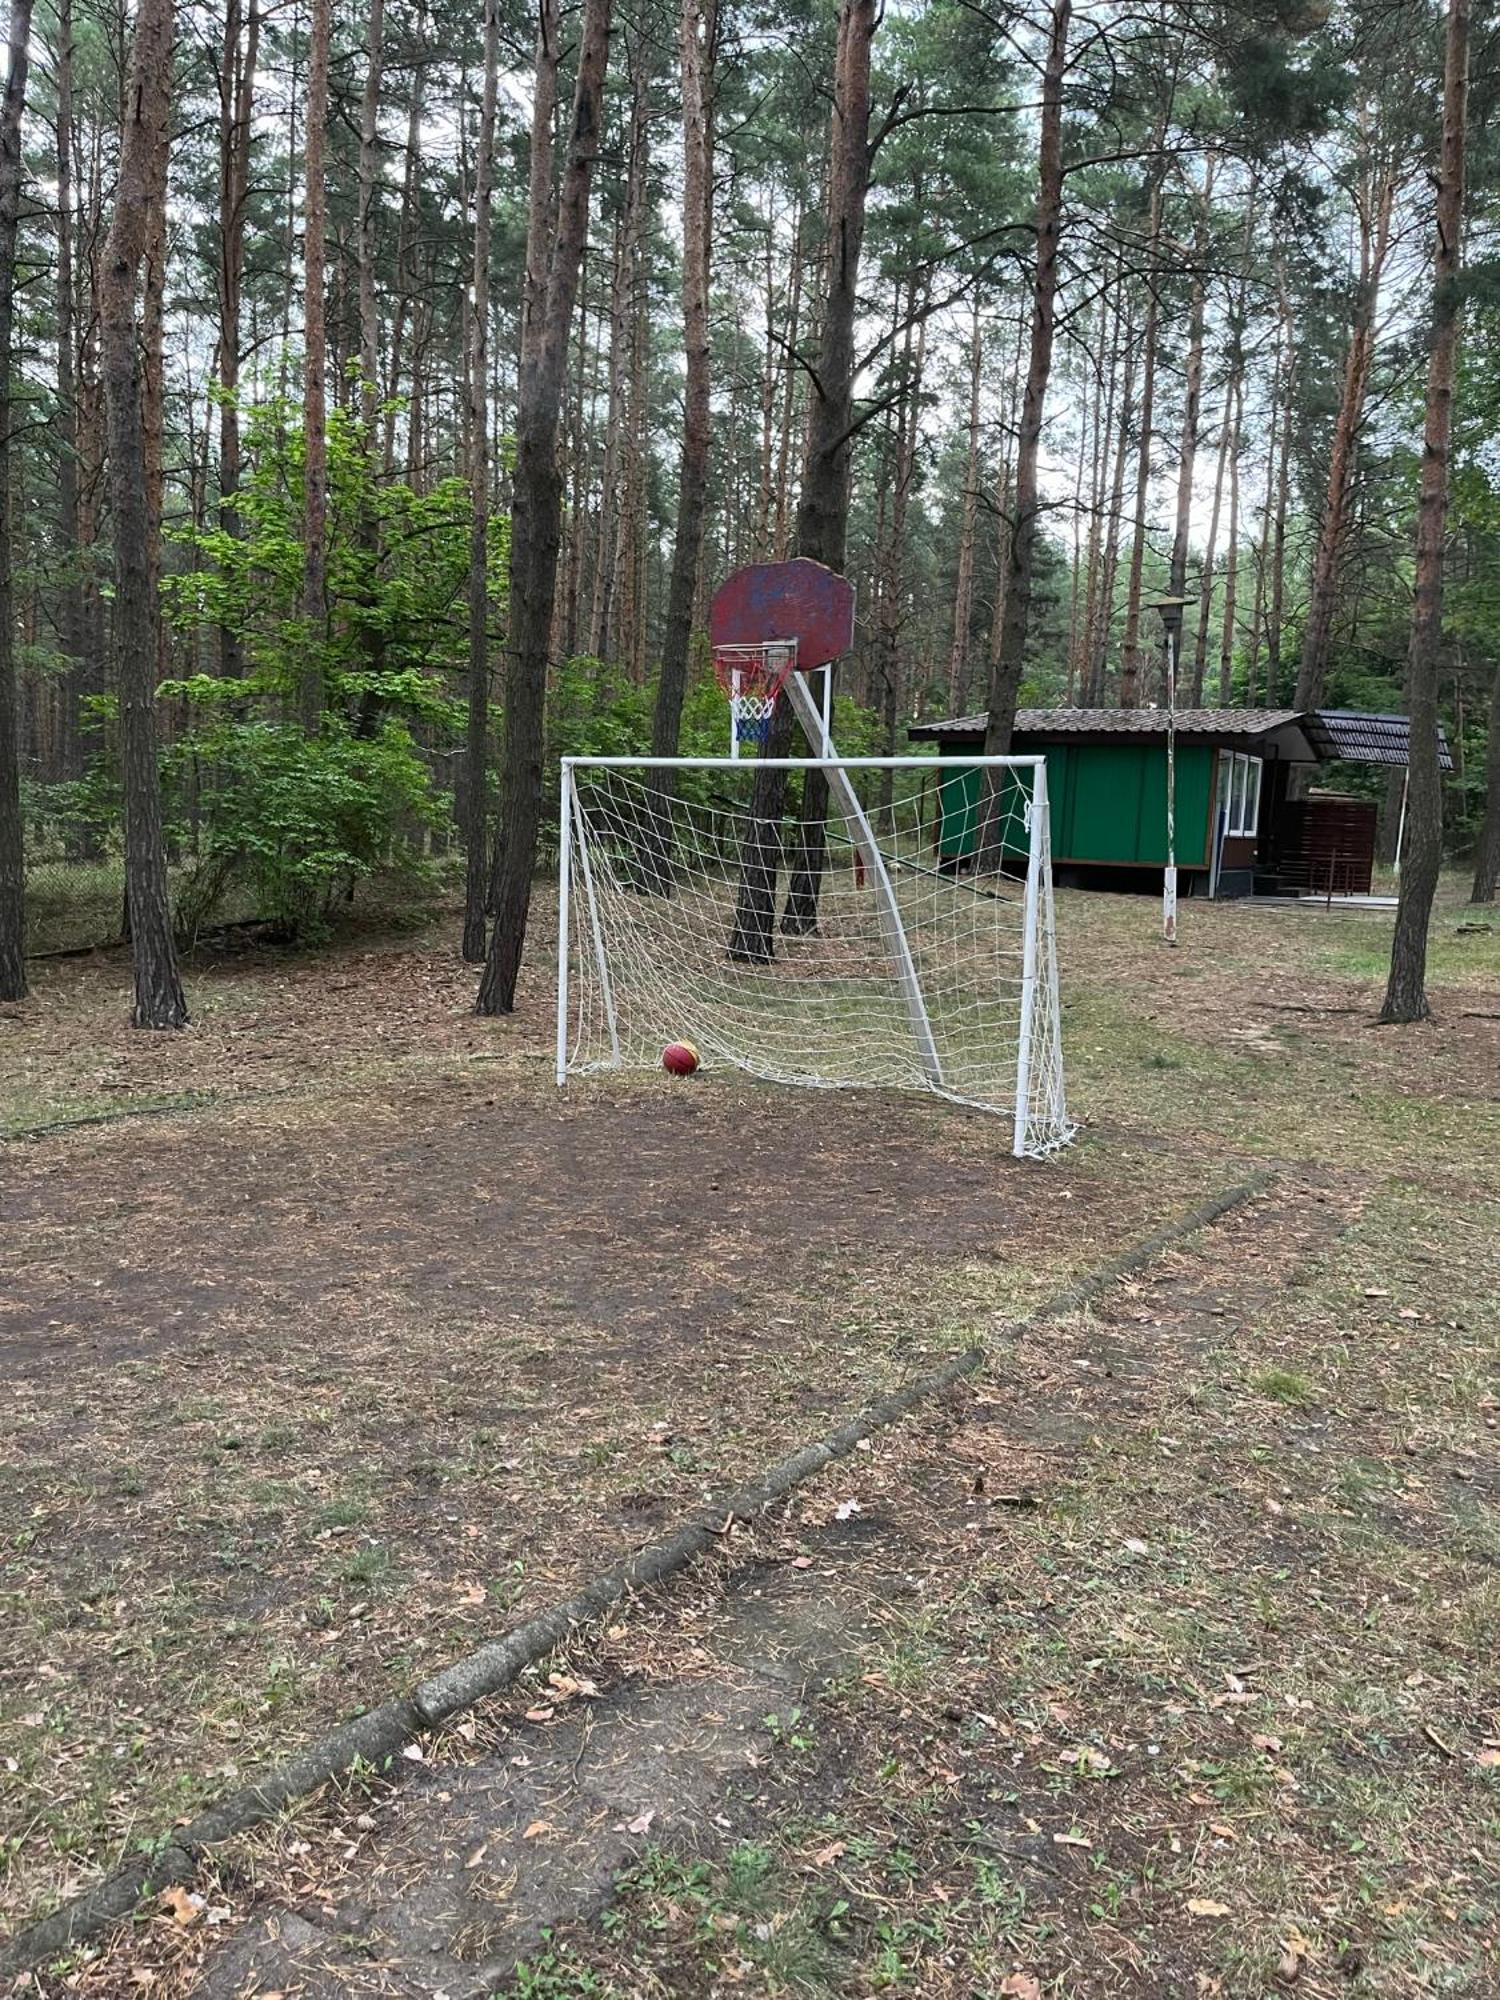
{"x": 564, "y": 894}
{"x": 1035, "y": 809}
{"x": 601, "y": 957}
{"x": 1169, "y": 877}
{"x": 801, "y": 697}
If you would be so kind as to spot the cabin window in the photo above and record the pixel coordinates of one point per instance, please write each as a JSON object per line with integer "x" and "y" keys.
{"x": 1239, "y": 794}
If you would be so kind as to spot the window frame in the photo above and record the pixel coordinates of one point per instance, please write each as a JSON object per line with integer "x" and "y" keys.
{"x": 1241, "y": 783}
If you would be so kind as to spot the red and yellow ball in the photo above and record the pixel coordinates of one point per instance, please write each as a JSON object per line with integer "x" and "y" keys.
{"x": 679, "y": 1058}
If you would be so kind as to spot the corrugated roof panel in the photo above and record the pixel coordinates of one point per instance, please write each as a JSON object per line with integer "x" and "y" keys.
{"x": 1346, "y": 734}
{"x": 1119, "y": 722}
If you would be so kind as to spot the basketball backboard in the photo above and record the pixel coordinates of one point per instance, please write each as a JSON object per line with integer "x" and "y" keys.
{"x": 799, "y": 600}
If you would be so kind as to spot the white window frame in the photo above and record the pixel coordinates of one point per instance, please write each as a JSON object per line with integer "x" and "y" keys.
{"x": 1241, "y": 780}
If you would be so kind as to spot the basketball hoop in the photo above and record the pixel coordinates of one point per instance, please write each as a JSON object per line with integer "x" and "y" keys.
{"x": 752, "y": 677}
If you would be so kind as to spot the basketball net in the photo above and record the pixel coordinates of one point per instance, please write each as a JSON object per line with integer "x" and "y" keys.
{"x": 752, "y": 677}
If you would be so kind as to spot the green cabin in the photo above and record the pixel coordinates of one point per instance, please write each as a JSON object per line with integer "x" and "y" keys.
{"x": 1239, "y": 830}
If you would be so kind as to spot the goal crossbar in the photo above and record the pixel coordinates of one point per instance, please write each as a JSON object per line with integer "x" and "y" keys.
{"x": 907, "y": 976}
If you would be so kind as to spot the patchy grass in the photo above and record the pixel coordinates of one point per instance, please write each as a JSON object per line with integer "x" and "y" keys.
{"x": 379, "y": 1345}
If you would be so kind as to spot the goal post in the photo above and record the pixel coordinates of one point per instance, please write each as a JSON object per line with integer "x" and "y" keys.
{"x": 933, "y": 965}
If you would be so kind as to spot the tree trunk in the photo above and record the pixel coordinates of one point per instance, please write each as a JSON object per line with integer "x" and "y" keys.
{"x": 1406, "y": 990}
{"x": 1130, "y": 648}
{"x": 1276, "y": 614}
{"x": 1109, "y": 562}
{"x": 476, "y": 769}
{"x": 1232, "y": 552}
{"x": 1015, "y": 614}
{"x": 700, "y": 31}
{"x": 1106, "y": 387}
{"x": 1487, "y": 858}
{"x": 1210, "y": 556}
{"x": 405, "y": 230}
{"x": 823, "y": 511}
{"x": 890, "y": 615}
{"x": 963, "y": 590}
{"x": 315, "y": 373}
{"x": 369, "y": 175}
{"x": 1375, "y": 230}
{"x": 236, "y": 98}
{"x": 159, "y": 1001}
{"x": 536, "y": 519}
{"x": 70, "y": 608}
{"x": 1192, "y": 407}
{"x": 12, "y": 849}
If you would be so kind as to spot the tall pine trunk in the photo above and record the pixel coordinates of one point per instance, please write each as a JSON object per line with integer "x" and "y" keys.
{"x": 1192, "y": 406}
{"x": 1406, "y": 989}
{"x": 699, "y": 55}
{"x": 1015, "y": 612}
{"x": 12, "y": 849}
{"x": 237, "y": 90}
{"x": 315, "y": 375}
{"x": 71, "y": 611}
{"x": 1487, "y": 857}
{"x": 159, "y": 1001}
{"x": 476, "y": 763}
{"x": 1328, "y": 561}
{"x": 553, "y": 258}
{"x": 1130, "y": 647}
{"x": 823, "y": 511}
{"x": 963, "y": 589}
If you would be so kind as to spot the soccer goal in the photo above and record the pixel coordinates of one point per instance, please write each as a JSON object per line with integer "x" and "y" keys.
{"x": 886, "y": 924}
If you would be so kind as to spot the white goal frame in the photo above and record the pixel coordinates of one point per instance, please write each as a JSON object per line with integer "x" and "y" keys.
{"x": 1038, "y": 932}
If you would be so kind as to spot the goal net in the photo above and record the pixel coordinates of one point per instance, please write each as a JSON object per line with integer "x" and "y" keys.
{"x": 834, "y": 923}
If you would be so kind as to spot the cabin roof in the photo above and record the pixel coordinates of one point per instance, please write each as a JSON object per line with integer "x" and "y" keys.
{"x": 1326, "y": 733}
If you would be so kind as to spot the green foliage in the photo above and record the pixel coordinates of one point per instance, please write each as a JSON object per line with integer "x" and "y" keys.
{"x": 297, "y": 819}
{"x": 293, "y": 819}
{"x": 398, "y": 564}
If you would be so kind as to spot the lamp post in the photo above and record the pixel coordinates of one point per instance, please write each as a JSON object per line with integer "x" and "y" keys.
{"x": 1170, "y": 610}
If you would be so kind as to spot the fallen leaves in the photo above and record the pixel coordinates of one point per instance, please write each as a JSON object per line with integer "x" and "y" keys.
{"x": 640, "y": 1824}
{"x": 1207, "y": 1906}
{"x": 181, "y": 1905}
{"x": 1021, "y": 1986}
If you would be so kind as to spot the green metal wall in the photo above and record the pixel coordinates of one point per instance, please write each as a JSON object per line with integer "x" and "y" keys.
{"x": 1108, "y": 805}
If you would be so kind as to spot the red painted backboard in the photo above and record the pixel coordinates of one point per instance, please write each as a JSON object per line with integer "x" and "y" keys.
{"x": 798, "y": 600}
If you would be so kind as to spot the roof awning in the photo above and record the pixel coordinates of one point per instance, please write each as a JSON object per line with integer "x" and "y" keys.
{"x": 1348, "y": 736}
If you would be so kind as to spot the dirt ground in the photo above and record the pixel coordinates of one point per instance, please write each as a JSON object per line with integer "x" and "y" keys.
{"x": 364, "y": 1344}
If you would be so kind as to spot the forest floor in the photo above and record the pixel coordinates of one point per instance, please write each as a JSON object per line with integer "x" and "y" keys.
{"x": 1158, "y": 1658}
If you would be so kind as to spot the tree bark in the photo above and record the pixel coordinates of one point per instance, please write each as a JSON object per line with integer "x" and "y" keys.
{"x": 700, "y": 32}
{"x": 1005, "y": 681}
{"x": 1109, "y": 562}
{"x": 12, "y": 832}
{"x": 1406, "y": 989}
{"x": 536, "y": 518}
{"x": 237, "y": 93}
{"x": 159, "y": 1001}
{"x": 1232, "y": 551}
{"x": 963, "y": 589}
{"x": 315, "y": 374}
{"x": 1130, "y": 648}
{"x": 1487, "y": 857}
{"x": 70, "y": 608}
{"x": 1192, "y": 408}
{"x": 1276, "y": 613}
{"x": 369, "y": 175}
{"x": 823, "y": 510}
{"x": 1375, "y": 232}
{"x": 476, "y": 769}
